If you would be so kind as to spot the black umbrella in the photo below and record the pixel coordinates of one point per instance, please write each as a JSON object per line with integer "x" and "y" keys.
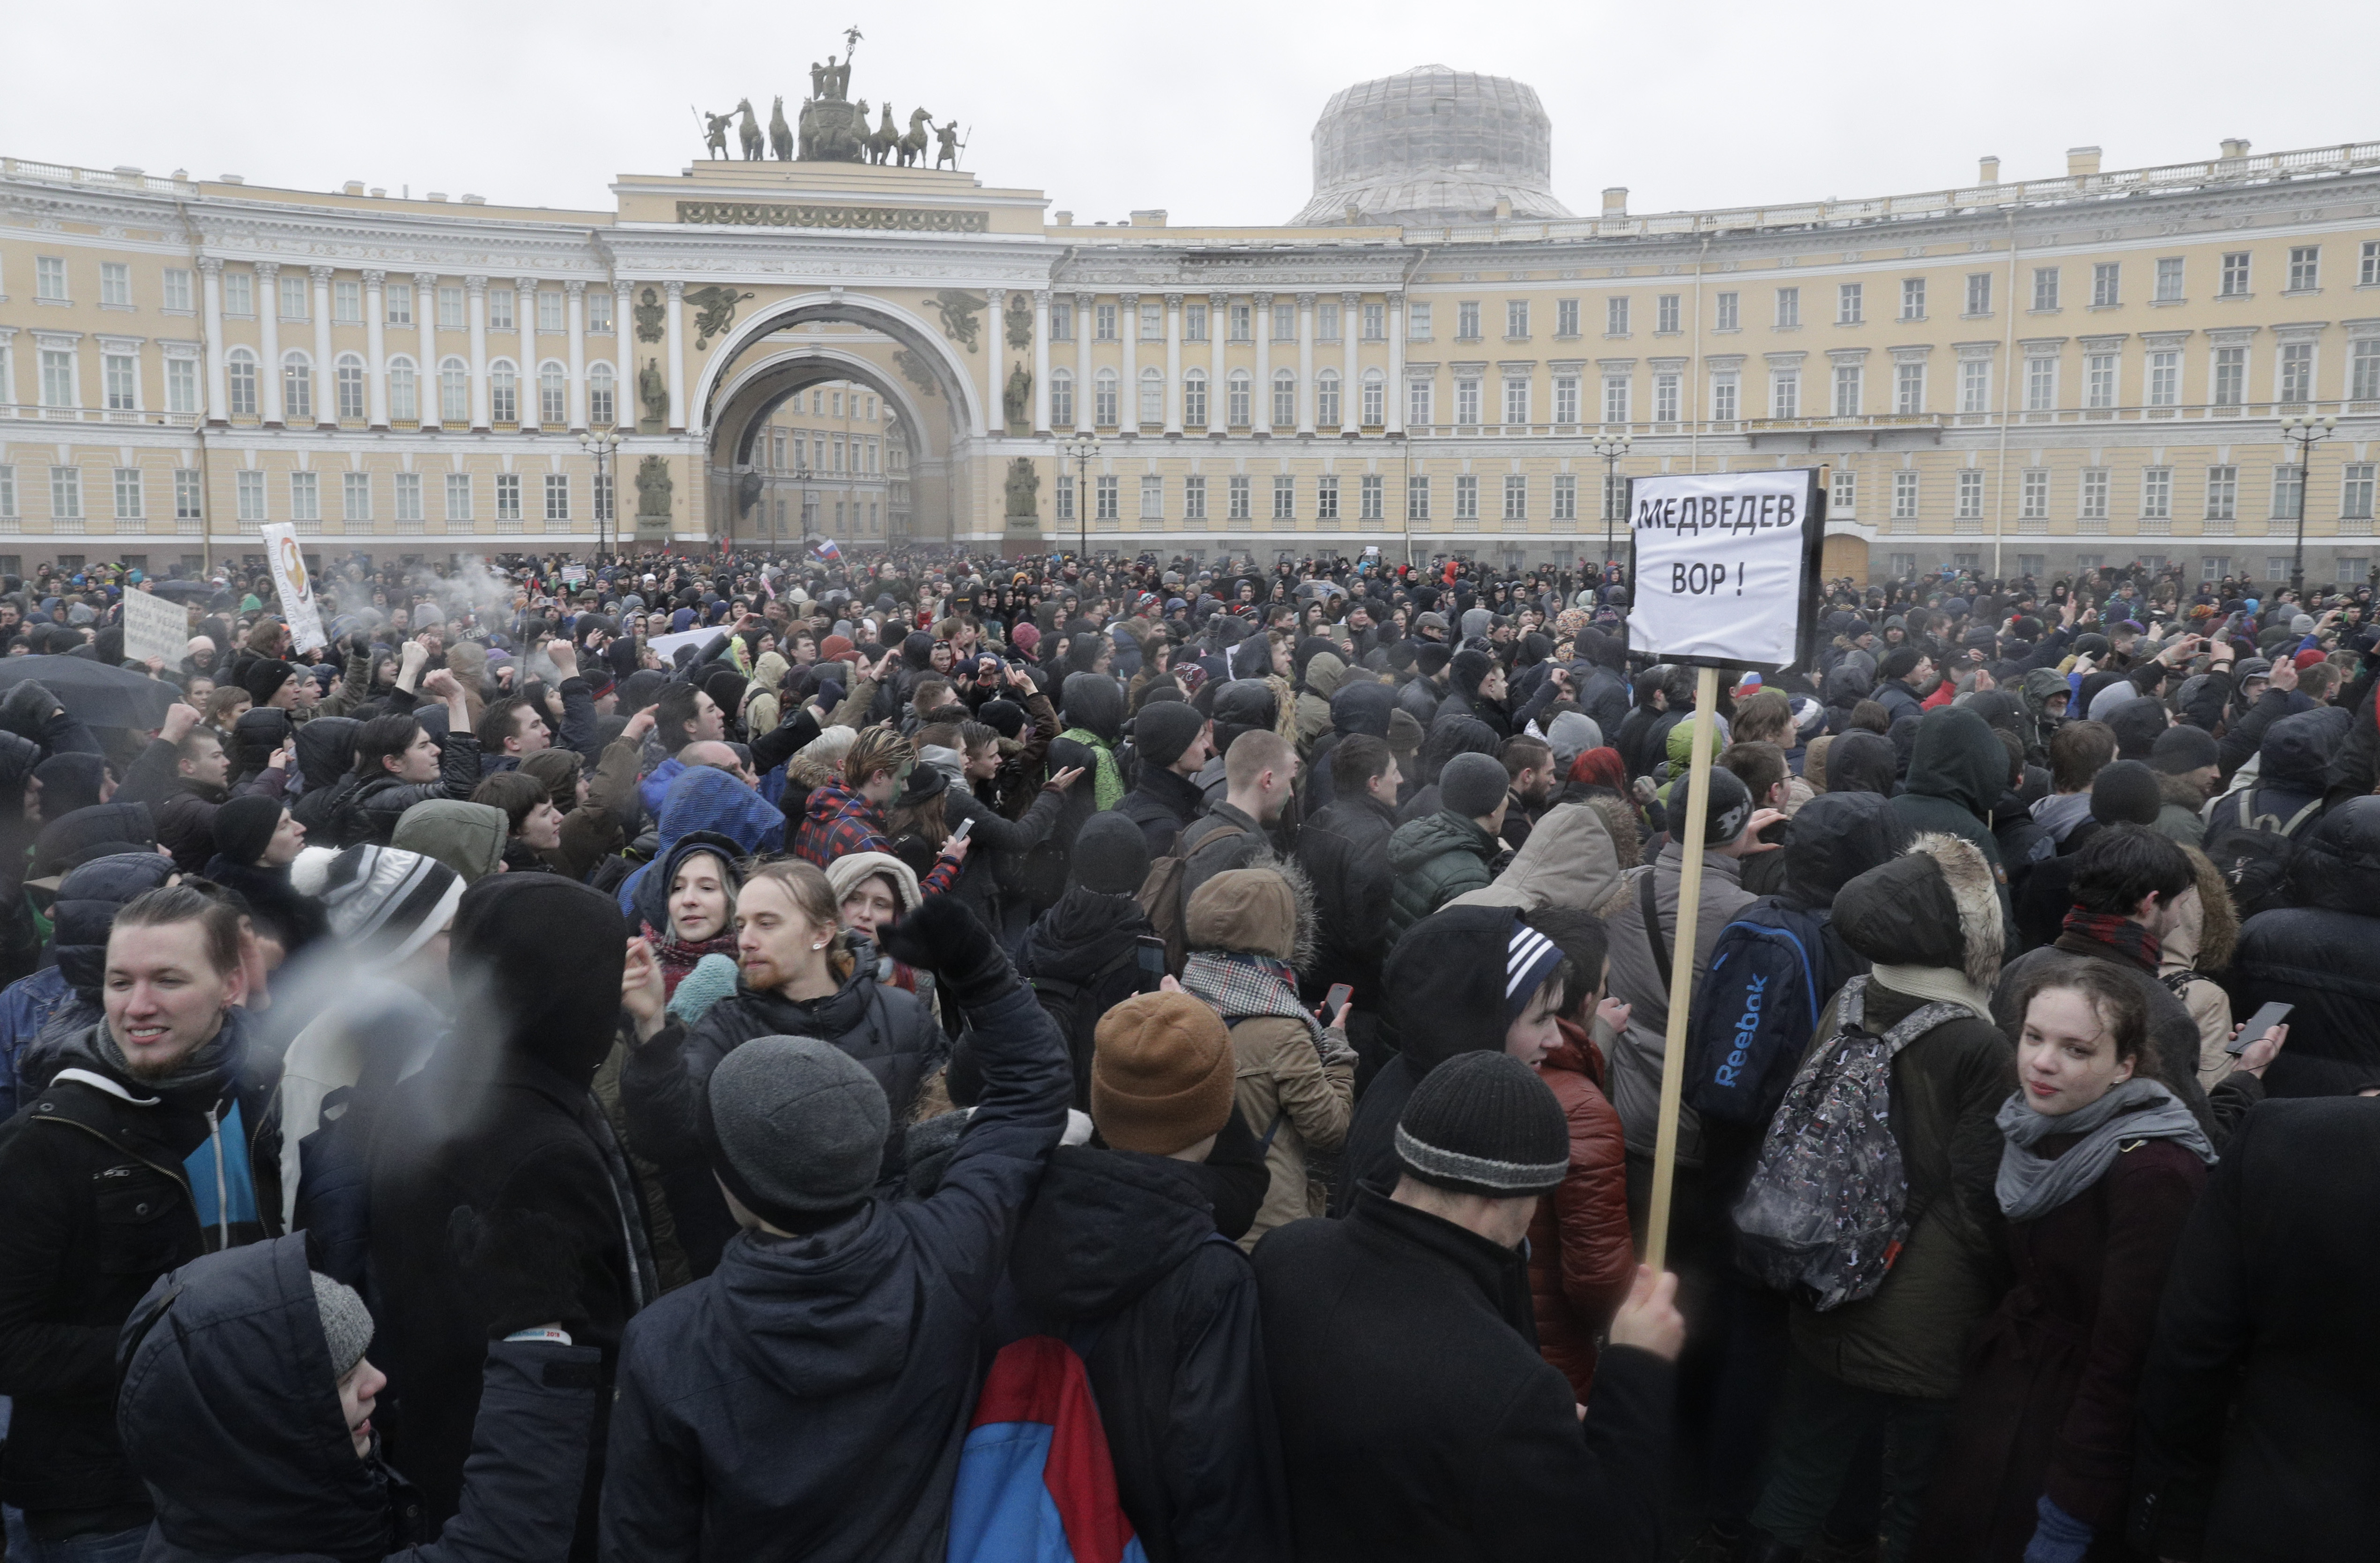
{"x": 185, "y": 591}
{"x": 92, "y": 692}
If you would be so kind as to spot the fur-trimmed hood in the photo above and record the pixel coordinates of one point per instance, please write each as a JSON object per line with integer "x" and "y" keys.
{"x": 1937, "y": 904}
{"x": 1266, "y": 908}
{"x": 2203, "y": 938}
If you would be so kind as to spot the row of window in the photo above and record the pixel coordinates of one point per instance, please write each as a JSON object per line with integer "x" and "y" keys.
{"x": 454, "y": 390}
{"x": 304, "y": 490}
{"x": 862, "y": 454}
{"x": 2095, "y": 485}
{"x": 1371, "y": 491}
{"x": 293, "y": 298}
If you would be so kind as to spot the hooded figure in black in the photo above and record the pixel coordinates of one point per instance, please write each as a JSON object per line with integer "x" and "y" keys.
{"x": 230, "y": 1413}
{"x": 501, "y": 1120}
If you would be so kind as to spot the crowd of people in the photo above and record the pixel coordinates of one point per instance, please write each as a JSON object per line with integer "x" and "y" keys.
{"x": 927, "y": 1057}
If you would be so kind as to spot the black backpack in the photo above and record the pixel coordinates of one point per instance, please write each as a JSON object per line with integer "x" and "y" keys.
{"x": 2253, "y": 855}
{"x": 1074, "y": 1008}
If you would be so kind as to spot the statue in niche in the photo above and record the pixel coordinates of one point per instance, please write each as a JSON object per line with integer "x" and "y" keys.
{"x": 747, "y": 129}
{"x": 715, "y": 131}
{"x": 654, "y": 490}
{"x": 781, "y": 134}
{"x": 1024, "y": 491}
{"x": 958, "y": 308}
{"x": 1020, "y": 321}
{"x": 652, "y": 390}
{"x": 717, "y": 313}
{"x": 649, "y": 315}
{"x": 1016, "y": 400}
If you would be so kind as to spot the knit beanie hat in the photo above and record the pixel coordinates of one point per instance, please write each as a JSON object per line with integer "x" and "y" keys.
{"x": 795, "y": 1127}
{"x": 1529, "y": 960}
{"x": 1406, "y": 732}
{"x": 383, "y": 903}
{"x": 2125, "y": 792}
{"x": 1569, "y": 735}
{"x": 1111, "y": 855}
{"x": 347, "y": 1323}
{"x": 2182, "y": 748}
{"x": 713, "y": 978}
{"x": 244, "y": 827}
{"x": 1472, "y": 786}
{"x": 1161, "y": 1074}
{"x": 263, "y": 679}
{"x": 1429, "y": 657}
{"x": 2138, "y": 723}
{"x": 1164, "y": 729}
{"x": 1484, "y": 1123}
{"x": 1730, "y": 810}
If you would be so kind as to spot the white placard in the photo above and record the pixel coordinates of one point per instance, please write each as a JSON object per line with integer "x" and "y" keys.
{"x": 574, "y": 575}
{"x": 154, "y": 626}
{"x": 1725, "y": 565}
{"x": 295, "y": 586}
{"x": 665, "y": 645}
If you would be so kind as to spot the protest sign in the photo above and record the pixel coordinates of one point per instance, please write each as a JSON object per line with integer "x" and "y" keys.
{"x": 1726, "y": 566}
{"x": 154, "y": 626}
{"x": 295, "y": 586}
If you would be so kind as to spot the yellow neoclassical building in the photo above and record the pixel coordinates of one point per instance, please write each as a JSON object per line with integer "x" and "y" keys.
{"x": 1435, "y": 355}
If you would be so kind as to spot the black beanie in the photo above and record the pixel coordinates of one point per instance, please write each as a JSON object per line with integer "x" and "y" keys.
{"x": 2182, "y": 748}
{"x": 2137, "y": 724}
{"x": 1484, "y": 1123}
{"x": 263, "y": 680}
{"x": 1430, "y": 656}
{"x": 1003, "y": 717}
{"x": 1111, "y": 856}
{"x": 2126, "y": 792}
{"x": 244, "y": 827}
{"x": 1164, "y": 729}
{"x": 1730, "y": 810}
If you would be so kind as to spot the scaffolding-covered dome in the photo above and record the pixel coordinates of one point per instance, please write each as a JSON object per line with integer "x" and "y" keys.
{"x": 1433, "y": 145}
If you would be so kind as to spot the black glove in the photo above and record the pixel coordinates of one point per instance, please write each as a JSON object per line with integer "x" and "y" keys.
{"x": 519, "y": 1268}
{"x": 942, "y": 937}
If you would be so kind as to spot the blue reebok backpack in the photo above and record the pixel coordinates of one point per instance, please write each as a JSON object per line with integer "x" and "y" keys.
{"x": 1754, "y": 1017}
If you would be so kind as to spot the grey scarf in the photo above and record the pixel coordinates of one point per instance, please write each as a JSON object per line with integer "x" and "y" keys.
{"x": 2031, "y": 1184}
{"x": 202, "y": 1079}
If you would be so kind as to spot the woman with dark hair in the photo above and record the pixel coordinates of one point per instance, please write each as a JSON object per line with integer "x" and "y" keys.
{"x": 2099, "y": 1167}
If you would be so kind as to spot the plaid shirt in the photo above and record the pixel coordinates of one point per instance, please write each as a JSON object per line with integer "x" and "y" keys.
{"x": 840, "y": 821}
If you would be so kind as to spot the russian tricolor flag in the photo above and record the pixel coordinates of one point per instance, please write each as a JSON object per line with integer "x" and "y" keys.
{"x": 827, "y": 549}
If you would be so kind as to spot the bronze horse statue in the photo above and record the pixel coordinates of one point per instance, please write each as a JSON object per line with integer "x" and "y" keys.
{"x": 748, "y": 129}
{"x": 781, "y": 134}
{"x": 913, "y": 145}
{"x": 883, "y": 138}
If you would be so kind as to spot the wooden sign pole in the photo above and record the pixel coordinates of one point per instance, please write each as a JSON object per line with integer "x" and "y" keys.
{"x": 1681, "y": 962}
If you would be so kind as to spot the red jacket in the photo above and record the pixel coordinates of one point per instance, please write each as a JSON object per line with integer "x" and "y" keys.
{"x": 1581, "y": 1257}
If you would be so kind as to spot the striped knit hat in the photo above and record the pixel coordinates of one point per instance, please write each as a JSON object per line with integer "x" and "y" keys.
{"x": 1529, "y": 961}
{"x": 1484, "y": 1123}
{"x": 383, "y": 903}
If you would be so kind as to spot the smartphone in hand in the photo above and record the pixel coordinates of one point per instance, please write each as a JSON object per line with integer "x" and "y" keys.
{"x": 1332, "y": 1001}
{"x": 2263, "y": 1021}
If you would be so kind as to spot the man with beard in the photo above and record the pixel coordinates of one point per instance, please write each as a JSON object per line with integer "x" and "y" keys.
{"x": 157, "y": 1143}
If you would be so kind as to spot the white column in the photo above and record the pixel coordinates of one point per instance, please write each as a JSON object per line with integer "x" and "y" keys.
{"x": 574, "y": 302}
{"x": 326, "y": 379}
{"x": 1128, "y": 327}
{"x": 1086, "y": 408}
{"x": 1305, "y": 363}
{"x": 426, "y": 378}
{"x": 1350, "y": 394}
{"x": 477, "y": 288}
{"x": 996, "y": 406}
{"x": 525, "y": 317}
{"x": 268, "y": 322}
{"x": 1219, "y": 324}
{"x": 8, "y": 366}
{"x": 1173, "y": 364}
{"x": 624, "y": 405}
{"x": 1396, "y": 407}
{"x": 376, "y": 350}
{"x": 1042, "y": 360}
{"x": 1260, "y": 327}
{"x": 678, "y": 421}
{"x": 218, "y": 380}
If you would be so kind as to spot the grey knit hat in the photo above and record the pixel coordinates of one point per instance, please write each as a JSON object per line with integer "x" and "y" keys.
{"x": 1484, "y": 1123}
{"x": 1472, "y": 786}
{"x": 795, "y": 1126}
{"x": 347, "y": 1323}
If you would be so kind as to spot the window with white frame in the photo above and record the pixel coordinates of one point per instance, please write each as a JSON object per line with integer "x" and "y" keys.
{"x": 2045, "y": 287}
{"x": 2367, "y": 273}
{"x": 1243, "y": 323}
{"x": 1194, "y": 322}
{"x": 1061, "y": 321}
{"x": 1237, "y": 497}
{"x": 1152, "y": 394}
{"x": 1194, "y": 399}
{"x": 500, "y": 316}
{"x": 2213, "y": 567}
{"x": 2099, "y": 380}
{"x": 1667, "y": 311}
{"x": 2364, "y": 372}
{"x": 2355, "y": 490}
{"x": 1979, "y": 293}
{"x": 1667, "y": 388}
{"x": 1788, "y": 305}
{"x": 50, "y": 279}
{"x": 454, "y": 392}
{"x": 296, "y": 387}
{"x": 2168, "y": 279}
{"x": 177, "y": 292}
{"x": 355, "y": 496}
{"x": 504, "y": 393}
{"x": 1466, "y": 400}
{"x": 1376, "y": 322}
{"x": 1847, "y": 390}
{"x": 292, "y": 296}
{"x": 239, "y": 293}
{"x": 115, "y": 285}
{"x": 1194, "y": 498}
{"x": 1565, "y": 317}
{"x": 241, "y": 371}
{"x": 407, "y": 497}
{"x": 57, "y": 377}
{"x": 248, "y": 491}
{"x": 2157, "y": 493}
{"x": 1418, "y": 402}
{"x": 1062, "y": 398}
{"x": 1615, "y": 398}
{"x": 1284, "y": 323}
{"x": 1516, "y": 317}
{"x": 1912, "y": 298}
{"x": 1905, "y": 495}
{"x": 1908, "y": 388}
{"x": 1152, "y": 497}
{"x": 602, "y": 500}
{"x": 2276, "y": 566}
{"x": 1239, "y": 396}
{"x": 1103, "y": 317}
{"x": 1615, "y": 495}
{"x": 1417, "y": 499}
{"x": 2297, "y": 371}
{"x": 189, "y": 502}
{"x": 451, "y": 314}
{"x": 1326, "y": 497}
{"x": 347, "y": 380}
{"x": 458, "y": 496}
{"x": 1974, "y": 385}
{"x": 1284, "y": 398}
{"x": 1375, "y": 398}
{"x": 348, "y": 303}
{"x": 1844, "y": 498}
{"x": 2040, "y": 383}
{"x": 305, "y": 496}
{"x": 2222, "y": 492}
{"x": 396, "y": 304}
{"x": 1516, "y": 497}
{"x": 1850, "y": 301}
{"x": 1785, "y": 394}
{"x": 1565, "y": 497}
{"x": 557, "y": 496}
{"x": 1326, "y": 398}
{"x": 1418, "y": 322}
{"x": 1065, "y": 502}
{"x": 599, "y": 397}
{"x": 1615, "y": 316}
{"x": 128, "y": 494}
{"x": 2235, "y": 275}
{"x": 1970, "y": 494}
{"x": 115, "y": 371}
{"x": 1516, "y": 400}
{"x": 1104, "y": 410}
{"x": 1152, "y": 322}
{"x": 2288, "y": 492}
{"x": 1727, "y": 311}
{"x": 1284, "y": 496}
{"x": 2230, "y": 376}
{"x": 2305, "y": 268}
{"x": 2164, "y": 379}
{"x": 1369, "y": 500}
{"x": 2032, "y": 495}
{"x": 549, "y": 316}
{"x": 181, "y": 385}
{"x": 508, "y": 500}
{"x": 2104, "y": 277}
{"x": 2031, "y": 564}
{"x": 1466, "y": 498}
{"x": 1566, "y": 398}
{"x": 2092, "y": 506}
{"x": 1466, "y": 320}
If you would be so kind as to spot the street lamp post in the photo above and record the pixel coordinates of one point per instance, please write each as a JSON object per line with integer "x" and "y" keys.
{"x": 1081, "y": 451}
{"x": 600, "y": 446}
{"x": 2305, "y": 430}
{"x": 1611, "y": 448}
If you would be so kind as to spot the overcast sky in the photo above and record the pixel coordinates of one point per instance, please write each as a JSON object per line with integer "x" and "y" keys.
{"x": 1204, "y": 110}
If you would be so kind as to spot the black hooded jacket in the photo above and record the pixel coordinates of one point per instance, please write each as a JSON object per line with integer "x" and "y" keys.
{"x": 2317, "y": 955}
{"x": 1125, "y": 1244}
{"x": 230, "y": 1413}
{"x": 501, "y": 1120}
{"x": 1087, "y": 940}
{"x": 326, "y": 752}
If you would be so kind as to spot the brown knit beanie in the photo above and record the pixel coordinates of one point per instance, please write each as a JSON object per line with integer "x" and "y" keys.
{"x": 1161, "y": 1074}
